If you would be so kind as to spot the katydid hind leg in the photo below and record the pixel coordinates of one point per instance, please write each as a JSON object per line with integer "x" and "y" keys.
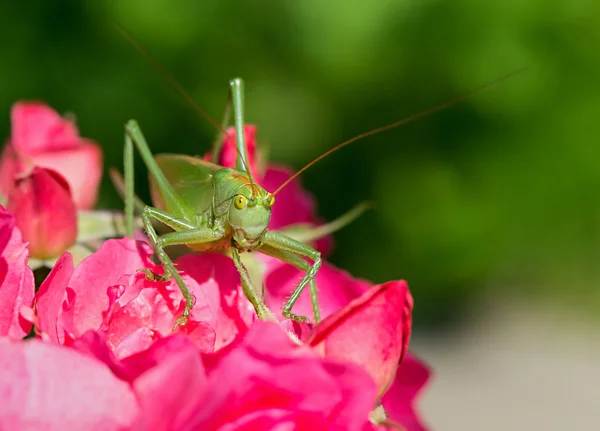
{"x": 283, "y": 243}
{"x": 134, "y": 135}
{"x": 118, "y": 181}
{"x": 237, "y": 95}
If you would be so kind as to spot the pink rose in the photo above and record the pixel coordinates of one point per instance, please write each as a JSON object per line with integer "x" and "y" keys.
{"x": 45, "y": 213}
{"x": 265, "y": 382}
{"x": 105, "y": 293}
{"x": 40, "y": 137}
{"x": 16, "y": 279}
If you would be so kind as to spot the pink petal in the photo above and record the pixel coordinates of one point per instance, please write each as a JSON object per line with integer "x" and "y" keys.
{"x": 94, "y": 344}
{"x": 45, "y": 213}
{"x": 16, "y": 279}
{"x": 37, "y": 127}
{"x": 112, "y": 264}
{"x": 170, "y": 392}
{"x": 10, "y": 166}
{"x": 220, "y": 302}
{"x": 372, "y": 331}
{"x": 131, "y": 367}
{"x": 202, "y": 334}
{"x": 400, "y": 398}
{"x": 81, "y": 166}
{"x": 50, "y": 296}
{"x": 136, "y": 341}
{"x": 336, "y": 288}
{"x": 47, "y": 387}
{"x": 267, "y": 374}
{"x": 148, "y": 310}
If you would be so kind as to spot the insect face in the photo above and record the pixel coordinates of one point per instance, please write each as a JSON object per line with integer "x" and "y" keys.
{"x": 249, "y": 216}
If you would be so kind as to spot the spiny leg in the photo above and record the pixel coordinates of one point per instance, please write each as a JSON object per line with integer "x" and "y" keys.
{"x": 133, "y": 135}
{"x": 302, "y": 265}
{"x": 262, "y": 311}
{"x": 190, "y": 235}
{"x": 279, "y": 241}
{"x": 174, "y": 223}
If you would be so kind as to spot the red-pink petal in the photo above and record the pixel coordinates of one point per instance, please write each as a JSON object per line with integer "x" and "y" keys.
{"x": 36, "y": 127}
{"x": 41, "y": 137}
{"x": 135, "y": 365}
{"x": 10, "y": 166}
{"x": 170, "y": 392}
{"x": 400, "y": 398}
{"x": 81, "y": 166}
{"x": 47, "y": 387}
{"x": 220, "y": 301}
{"x": 45, "y": 213}
{"x": 269, "y": 380}
{"x": 136, "y": 341}
{"x": 50, "y": 296}
{"x": 371, "y": 331}
{"x": 16, "y": 279}
{"x": 114, "y": 263}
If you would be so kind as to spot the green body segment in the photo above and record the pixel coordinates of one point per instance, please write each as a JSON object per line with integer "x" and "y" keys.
{"x": 208, "y": 192}
{"x": 191, "y": 178}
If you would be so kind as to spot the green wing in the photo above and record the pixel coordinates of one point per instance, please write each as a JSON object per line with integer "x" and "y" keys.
{"x": 190, "y": 177}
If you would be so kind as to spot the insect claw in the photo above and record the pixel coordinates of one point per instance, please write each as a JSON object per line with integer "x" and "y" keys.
{"x": 153, "y": 276}
{"x": 296, "y": 317}
{"x": 183, "y": 319}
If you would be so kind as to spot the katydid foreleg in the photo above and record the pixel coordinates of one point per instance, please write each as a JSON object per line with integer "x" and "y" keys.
{"x": 168, "y": 265}
{"x": 286, "y": 246}
{"x": 261, "y": 309}
{"x": 302, "y": 265}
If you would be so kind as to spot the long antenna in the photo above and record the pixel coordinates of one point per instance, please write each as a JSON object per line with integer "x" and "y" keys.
{"x": 405, "y": 120}
{"x": 168, "y": 77}
{"x": 178, "y": 87}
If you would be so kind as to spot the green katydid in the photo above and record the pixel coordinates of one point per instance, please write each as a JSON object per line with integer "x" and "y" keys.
{"x": 216, "y": 209}
{"x": 212, "y": 208}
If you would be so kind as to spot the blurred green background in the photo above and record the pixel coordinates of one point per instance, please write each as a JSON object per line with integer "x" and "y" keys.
{"x": 497, "y": 194}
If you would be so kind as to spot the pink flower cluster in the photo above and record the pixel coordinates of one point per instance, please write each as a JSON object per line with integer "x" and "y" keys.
{"x": 105, "y": 357}
{"x": 47, "y": 172}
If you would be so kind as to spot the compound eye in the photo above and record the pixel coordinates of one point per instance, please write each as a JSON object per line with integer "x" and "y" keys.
{"x": 269, "y": 200}
{"x": 240, "y": 202}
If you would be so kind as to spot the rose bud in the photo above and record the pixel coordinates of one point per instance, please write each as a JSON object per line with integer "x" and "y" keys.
{"x": 45, "y": 212}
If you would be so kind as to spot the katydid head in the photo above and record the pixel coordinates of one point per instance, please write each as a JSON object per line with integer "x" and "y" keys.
{"x": 245, "y": 206}
{"x": 249, "y": 214}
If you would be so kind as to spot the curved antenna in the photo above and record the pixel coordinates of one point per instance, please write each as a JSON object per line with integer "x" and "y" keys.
{"x": 178, "y": 87}
{"x": 405, "y": 120}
